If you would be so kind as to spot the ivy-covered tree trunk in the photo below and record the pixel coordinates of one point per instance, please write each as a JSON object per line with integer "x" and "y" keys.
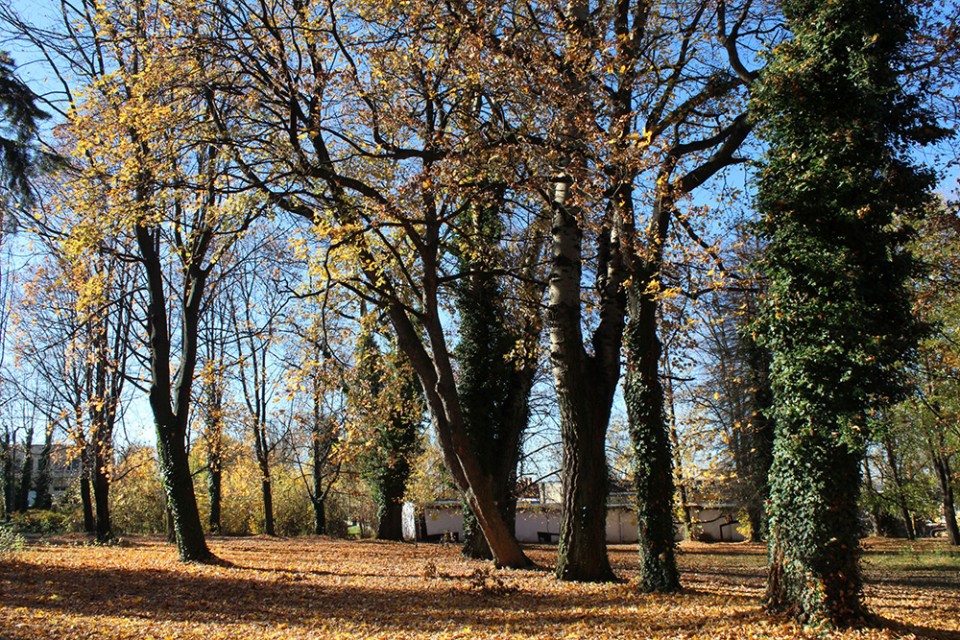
{"x": 836, "y": 316}
{"x": 494, "y": 388}
{"x": 390, "y": 406}
{"x": 653, "y": 475}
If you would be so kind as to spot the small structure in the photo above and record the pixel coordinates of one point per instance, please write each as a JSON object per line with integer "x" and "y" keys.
{"x": 538, "y": 521}
{"x": 715, "y": 522}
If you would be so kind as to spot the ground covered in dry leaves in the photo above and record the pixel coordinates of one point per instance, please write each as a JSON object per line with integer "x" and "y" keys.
{"x": 322, "y": 588}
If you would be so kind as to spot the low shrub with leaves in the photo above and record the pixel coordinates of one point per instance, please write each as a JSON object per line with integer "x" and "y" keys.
{"x": 10, "y": 540}
{"x": 40, "y": 522}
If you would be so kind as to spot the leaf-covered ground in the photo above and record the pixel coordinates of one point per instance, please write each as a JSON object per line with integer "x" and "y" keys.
{"x": 320, "y": 588}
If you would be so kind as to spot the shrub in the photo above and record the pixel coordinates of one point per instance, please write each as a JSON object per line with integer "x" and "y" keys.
{"x": 40, "y": 521}
{"x": 10, "y": 540}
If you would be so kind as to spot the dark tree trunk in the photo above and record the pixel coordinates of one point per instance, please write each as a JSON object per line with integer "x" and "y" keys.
{"x": 89, "y": 523}
{"x": 761, "y": 433}
{"x": 181, "y": 500}
{"x": 169, "y": 398}
{"x": 319, "y": 516}
{"x": 41, "y": 486}
{"x": 266, "y": 487}
{"x": 941, "y": 465}
{"x": 650, "y": 433}
{"x": 582, "y": 553}
{"x": 214, "y": 490}
{"x": 26, "y": 475}
{"x": 895, "y": 472}
{"x": 101, "y": 494}
{"x": 390, "y": 526}
{"x": 319, "y": 451}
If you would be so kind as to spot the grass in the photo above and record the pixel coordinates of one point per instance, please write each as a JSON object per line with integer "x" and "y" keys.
{"x": 323, "y": 588}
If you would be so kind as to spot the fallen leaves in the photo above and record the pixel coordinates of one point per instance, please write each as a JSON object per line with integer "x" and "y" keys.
{"x": 322, "y": 588}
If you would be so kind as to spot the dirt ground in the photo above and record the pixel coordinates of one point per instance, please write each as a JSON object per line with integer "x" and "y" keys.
{"x": 322, "y": 588}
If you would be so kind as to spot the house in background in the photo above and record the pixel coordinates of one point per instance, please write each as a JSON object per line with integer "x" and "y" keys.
{"x": 538, "y": 519}
{"x": 64, "y": 468}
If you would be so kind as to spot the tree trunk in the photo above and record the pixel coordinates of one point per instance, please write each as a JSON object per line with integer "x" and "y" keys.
{"x": 26, "y": 475}
{"x": 890, "y": 449}
{"x": 761, "y": 434}
{"x": 319, "y": 516}
{"x": 941, "y": 464}
{"x": 582, "y": 552}
{"x": 181, "y": 500}
{"x": 814, "y": 569}
{"x": 215, "y": 491}
{"x": 266, "y": 487}
{"x": 170, "y": 399}
{"x": 41, "y": 486}
{"x": 89, "y": 523}
{"x": 585, "y": 387}
{"x": 390, "y": 526}
{"x": 650, "y": 433}
{"x": 438, "y": 383}
{"x": 101, "y": 493}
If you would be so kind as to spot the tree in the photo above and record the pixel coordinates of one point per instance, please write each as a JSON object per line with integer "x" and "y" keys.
{"x": 390, "y": 413}
{"x": 19, "y": 118}
{"x": 497, "y": 359}
{"x": 836, "y": 316}
{"x": 932, "y": 410}
{"x": 367, "y": 155}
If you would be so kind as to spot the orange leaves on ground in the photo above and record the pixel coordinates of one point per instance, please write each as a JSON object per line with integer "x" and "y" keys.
{"x": 321, "y": 588}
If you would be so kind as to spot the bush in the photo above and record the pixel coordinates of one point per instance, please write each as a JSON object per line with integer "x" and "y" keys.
{"x": 10, "y": 540}
{"x": 39, "y": 521}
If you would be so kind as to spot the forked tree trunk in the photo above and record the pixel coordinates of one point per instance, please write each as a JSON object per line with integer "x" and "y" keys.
{"x": 585, "y": 387}
{"x": 437, "y": 380}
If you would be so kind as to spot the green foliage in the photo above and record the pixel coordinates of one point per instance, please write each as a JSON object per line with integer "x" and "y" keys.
{"x": 41, "y": 522}
{"x": 19, "y": 116}
{"x": 390, "y": 406}
{"x": 836, "y": 316}
{"x": 484, "y": 364}
{"x": 136, "y": 495}
{"x": 10, "y": 540}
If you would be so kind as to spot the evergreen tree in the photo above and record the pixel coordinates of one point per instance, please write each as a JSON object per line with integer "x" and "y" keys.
{"x": 836, "y": 316}
{"x": 19, "y": 116}
{"x": 390, "y": 404}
